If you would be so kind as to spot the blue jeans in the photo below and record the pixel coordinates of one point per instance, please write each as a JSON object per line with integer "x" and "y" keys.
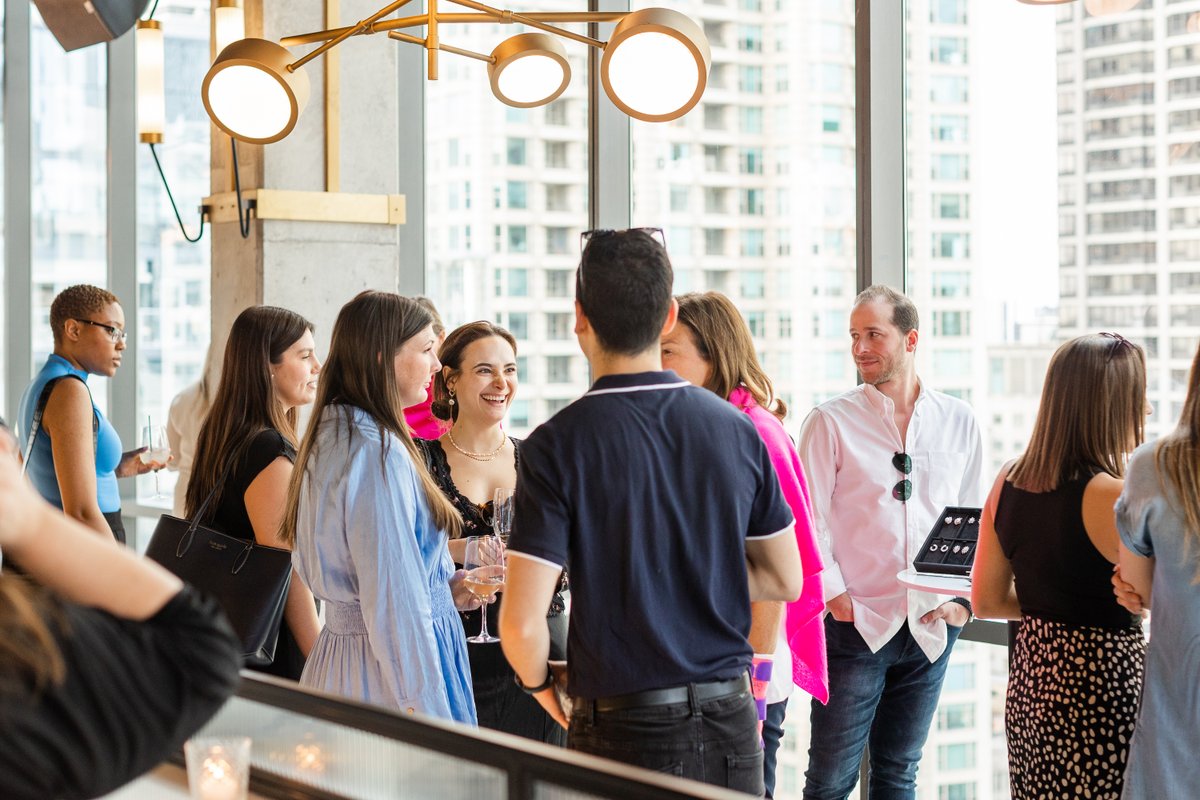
{"x": 886, "y": 699}
{"x": 772, "y": 735}
{"x": 714, "y": 741}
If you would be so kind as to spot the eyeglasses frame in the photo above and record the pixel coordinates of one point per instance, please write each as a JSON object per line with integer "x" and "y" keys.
{"x": 117, "y": 335}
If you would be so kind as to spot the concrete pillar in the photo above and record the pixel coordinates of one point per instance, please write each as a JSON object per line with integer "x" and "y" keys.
{"x": 314, "y": 267}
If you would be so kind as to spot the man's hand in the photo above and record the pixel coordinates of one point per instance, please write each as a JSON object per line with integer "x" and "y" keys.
{"x": 1127, "y": 597}
{"x": 954, "y": 613}
{"x": 551, "y": 698}
{"x": 840, "y": 608}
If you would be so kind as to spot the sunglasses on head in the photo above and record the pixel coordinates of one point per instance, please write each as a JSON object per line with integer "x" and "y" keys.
{"x": 903, "y": 489}
{"x": 1118, "y": 341}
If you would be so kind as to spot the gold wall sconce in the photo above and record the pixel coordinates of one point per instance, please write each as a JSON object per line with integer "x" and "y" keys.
{"x": 255, "y": 90}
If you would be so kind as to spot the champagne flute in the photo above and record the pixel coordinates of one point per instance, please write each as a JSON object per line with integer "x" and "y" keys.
{"x": 502, "y": 513}
{"x": 484, "y": 564}
{"x": 154, "y": 440}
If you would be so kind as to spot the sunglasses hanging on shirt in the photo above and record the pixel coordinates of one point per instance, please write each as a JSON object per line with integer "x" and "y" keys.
{"x": 903, "y": 489}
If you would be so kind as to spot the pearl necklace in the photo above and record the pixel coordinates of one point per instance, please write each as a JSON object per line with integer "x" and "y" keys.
{"x": 479, "y": 456}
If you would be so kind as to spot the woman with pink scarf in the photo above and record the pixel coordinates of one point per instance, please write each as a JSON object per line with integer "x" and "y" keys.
{"x": 711, "y": 347}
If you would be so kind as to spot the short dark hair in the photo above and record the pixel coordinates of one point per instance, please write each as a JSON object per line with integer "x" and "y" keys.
{"x": 904, "y": 311}
{"x": 624, "y": 287}
{"x": 77, "y": 302}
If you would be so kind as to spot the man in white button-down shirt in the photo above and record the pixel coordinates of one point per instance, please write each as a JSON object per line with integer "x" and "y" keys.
{"x": 882, "y": 461}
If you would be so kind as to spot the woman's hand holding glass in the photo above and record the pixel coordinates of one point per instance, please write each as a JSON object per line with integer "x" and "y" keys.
{"x": 485, "y": 572}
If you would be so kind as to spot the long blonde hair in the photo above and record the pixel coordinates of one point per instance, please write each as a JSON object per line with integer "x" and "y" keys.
{"x": 1177, "y": 457}
{"x": 1091, "y": 416}
{"x": 724, "y": 341}
{"x": 369, "y": 331}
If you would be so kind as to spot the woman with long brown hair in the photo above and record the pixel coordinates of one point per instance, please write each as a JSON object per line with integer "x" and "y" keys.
{"x": 472, "y": 459}
{"x": 107, "y": 663}
{"x": 246, "y": 448}
{"x": 1047, "y": 544}
{"x": 711, "y": 346}
{"x": 1158, "y": 516}
{"x": 369, "y": 525}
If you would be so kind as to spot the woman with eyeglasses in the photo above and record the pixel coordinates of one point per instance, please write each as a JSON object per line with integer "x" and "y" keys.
{"x": 1047, "y": 545}
{"x": 711, "y": 347}
{"x": 76, "y": 456}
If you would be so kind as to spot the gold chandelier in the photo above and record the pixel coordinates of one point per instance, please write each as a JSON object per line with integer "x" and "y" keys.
{"x": 255, "y": 91}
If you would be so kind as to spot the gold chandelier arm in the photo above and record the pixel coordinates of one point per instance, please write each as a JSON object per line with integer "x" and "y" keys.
{"x": 382, "y": 26}
{"x": 445, "y": 48}
{"x": 347, "y": 33}
{"x": 514, "y": 16}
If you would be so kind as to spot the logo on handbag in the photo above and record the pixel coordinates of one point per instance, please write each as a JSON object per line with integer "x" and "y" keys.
{"x": 215, "y": 545}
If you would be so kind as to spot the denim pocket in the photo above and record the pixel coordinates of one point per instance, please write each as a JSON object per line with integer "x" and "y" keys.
{"x": 744, "y": 773}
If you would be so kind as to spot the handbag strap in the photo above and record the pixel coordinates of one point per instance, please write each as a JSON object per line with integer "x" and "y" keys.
{"x": 40, "y": 409}
{"x": 194, "y": 522}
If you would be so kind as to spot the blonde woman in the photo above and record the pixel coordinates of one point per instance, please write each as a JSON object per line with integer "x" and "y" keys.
{"x": 1158, "y": 516}
{"x": 1047, "y": 544}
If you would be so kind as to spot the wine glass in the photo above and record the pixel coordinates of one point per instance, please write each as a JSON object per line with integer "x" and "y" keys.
{"x": 502, "y": 513}
{"x": 484, "y": 564}
{"x": 154, "y": 439}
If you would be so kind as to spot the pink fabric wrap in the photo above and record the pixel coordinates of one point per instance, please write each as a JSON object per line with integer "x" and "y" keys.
{"x": 421, "y": 420}
{"x": 805, "y": 629}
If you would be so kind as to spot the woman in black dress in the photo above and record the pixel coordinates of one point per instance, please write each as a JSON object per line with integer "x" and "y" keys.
{"x": 106, "y": 665}
{"x": 246, "y": 448}
{"x": 469, "y": 462}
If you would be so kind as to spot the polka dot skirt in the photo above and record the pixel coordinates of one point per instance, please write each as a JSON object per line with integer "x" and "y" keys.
{"x": 1073, "y": 695}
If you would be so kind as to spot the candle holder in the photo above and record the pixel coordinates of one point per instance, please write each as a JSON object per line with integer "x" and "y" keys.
{"x": 218, "y": 768}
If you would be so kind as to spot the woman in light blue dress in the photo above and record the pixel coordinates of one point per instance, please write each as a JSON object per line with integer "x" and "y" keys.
{"x": 1158, "y": 517}
{"x": 369, "y": 527}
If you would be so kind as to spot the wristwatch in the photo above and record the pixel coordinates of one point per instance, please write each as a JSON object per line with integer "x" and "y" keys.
{"x": 965, "y": 603}
{"x": 543, "y": 686}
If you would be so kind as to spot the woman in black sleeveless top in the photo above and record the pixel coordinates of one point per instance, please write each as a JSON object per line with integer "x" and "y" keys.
{"x": 469, "y": 462}
{"x": 246, "y": 448}
{"x": 1047, "y": 546}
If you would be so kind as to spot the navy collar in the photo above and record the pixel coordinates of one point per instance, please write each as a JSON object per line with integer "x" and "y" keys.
{"x": 637, "y": 382}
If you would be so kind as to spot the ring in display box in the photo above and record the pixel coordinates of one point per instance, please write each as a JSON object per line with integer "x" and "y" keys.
{"x": 950, "y": 547}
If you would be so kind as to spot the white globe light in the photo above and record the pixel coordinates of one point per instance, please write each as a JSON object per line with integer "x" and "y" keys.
{"x": 528, "y": 70}
{"x": 250, "y": 102}
{"x": 251, "y": 94}
{"x": 530, "y": 79}
{"x": 655, "y": 66}
{"x": 667, "y": 59}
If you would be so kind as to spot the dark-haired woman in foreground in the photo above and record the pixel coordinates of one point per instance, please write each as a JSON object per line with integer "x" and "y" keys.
{"x": 246, "y": 448}
{"x": 369, "y": 526}
{"x": 1047, "y": 545}
{"x": 106, "y": 666}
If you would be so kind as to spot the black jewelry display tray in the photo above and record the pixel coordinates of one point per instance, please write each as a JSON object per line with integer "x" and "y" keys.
{"x": 950, "y": 547}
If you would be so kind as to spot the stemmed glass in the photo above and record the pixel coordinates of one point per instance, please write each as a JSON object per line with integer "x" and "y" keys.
{"x": 502, "y": 513}
{"x": 154, "y": 439}
{"x": 484, "y": 564}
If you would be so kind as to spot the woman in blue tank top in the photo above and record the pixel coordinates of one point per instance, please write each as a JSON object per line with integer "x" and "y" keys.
{"x": 76, "y": 456}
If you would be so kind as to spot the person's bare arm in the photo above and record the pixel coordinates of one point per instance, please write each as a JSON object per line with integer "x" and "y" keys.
{"x": 265, "y": 500}
{"x": 1138, "y": 572}
{"x": 1099, "y": 519}
{"x": 63, "y": 555}
{"x": 68, "y": 422}
{"x": 773, "y": 567}
{"x": 764, "y": 625}
{"x": 523, "y": 631}
{"x": 993, "y": 593}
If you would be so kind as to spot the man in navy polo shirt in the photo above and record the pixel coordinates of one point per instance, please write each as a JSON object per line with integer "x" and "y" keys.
{"x": 661, "y": 500}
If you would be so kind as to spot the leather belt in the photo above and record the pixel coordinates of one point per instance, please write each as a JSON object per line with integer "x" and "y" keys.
{"x": 712, "y": 690}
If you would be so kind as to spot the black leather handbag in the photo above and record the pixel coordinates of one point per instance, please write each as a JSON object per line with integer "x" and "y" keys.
{"x": 950, "y": 547}
{"x": 249, "y": 580}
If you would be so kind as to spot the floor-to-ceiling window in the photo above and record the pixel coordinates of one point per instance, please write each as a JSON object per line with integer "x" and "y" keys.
{"x": 172, "y": 273}
{"x": 69, "y": 204}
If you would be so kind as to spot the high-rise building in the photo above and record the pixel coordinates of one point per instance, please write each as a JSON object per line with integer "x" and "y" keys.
{"x": 1129, "y": 188}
